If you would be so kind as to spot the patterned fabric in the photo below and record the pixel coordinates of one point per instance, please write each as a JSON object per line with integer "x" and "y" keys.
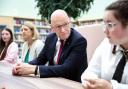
{"x": 60, "y": 50}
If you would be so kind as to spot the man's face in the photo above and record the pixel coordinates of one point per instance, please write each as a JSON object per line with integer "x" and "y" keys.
{"x": 61, "y": 26}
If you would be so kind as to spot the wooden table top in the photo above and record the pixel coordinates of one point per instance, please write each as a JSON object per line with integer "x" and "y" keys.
{"x": 9, "y": 81}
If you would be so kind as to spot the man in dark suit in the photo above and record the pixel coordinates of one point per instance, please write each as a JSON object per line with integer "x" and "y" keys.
{"x": 69, "y": 63}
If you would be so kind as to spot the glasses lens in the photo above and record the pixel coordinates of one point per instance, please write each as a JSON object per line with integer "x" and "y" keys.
{"x": 108, "y": 25}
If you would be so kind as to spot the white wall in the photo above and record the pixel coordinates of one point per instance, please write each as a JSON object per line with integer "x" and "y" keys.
{"x": 20, "y": 8}
{"x": 26, "y": 8}
{"x": 97, "y": 10}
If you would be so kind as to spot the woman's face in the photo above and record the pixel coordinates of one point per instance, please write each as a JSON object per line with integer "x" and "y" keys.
{"x": 26, "y": 33}
{"x": 6, "y": 36}
{"x": 114, "y": 30}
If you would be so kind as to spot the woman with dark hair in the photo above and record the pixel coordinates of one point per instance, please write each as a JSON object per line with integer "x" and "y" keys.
{"x": 108, "y": 68}
{"x": 8, "y": 48}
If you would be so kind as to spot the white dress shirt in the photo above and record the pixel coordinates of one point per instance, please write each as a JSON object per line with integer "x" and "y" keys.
{"x": 103, "y": 65}
{"x": 57, "y": 51}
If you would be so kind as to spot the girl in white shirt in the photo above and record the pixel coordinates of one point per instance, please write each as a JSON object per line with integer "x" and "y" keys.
{"x": 101, "y": 69}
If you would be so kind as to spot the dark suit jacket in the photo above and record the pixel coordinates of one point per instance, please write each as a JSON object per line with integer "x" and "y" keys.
{"x": 73, "y": 60}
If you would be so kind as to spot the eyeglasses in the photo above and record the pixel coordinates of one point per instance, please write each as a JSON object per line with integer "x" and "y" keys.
{"x": 109, "y": 25}
{"x": 65, "y": 25}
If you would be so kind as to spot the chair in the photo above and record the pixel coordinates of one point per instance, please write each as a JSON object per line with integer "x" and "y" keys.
{"x": 94, "y": 35}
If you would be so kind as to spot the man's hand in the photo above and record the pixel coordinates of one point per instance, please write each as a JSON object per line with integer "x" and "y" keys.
{"x": 23, "y": 69}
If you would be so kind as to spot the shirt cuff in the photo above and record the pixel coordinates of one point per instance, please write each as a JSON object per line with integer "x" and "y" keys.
{"x": 37, "y": 72}
{"x": 114, "y": 84}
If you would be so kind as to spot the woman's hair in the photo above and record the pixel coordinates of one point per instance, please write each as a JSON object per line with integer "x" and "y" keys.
{"x": 2, "y": 44}
{"x": 120, "y": 9}
{"x": 31, "y": 26}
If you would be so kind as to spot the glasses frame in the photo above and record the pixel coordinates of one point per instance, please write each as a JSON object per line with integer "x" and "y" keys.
{"x": 109, "y": 25}
{"x": 65, "y": 25}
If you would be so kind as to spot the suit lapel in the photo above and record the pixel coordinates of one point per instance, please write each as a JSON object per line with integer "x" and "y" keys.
{"x": 66, "y": 48}
{"x": 52, "y": 51}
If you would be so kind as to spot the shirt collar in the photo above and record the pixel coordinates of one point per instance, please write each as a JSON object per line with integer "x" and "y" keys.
{"x": 119, "y": 48}
{"x": 60, "y": 39}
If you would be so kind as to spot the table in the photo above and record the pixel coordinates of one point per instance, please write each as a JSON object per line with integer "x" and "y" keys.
{"x": 31, "y": 82}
